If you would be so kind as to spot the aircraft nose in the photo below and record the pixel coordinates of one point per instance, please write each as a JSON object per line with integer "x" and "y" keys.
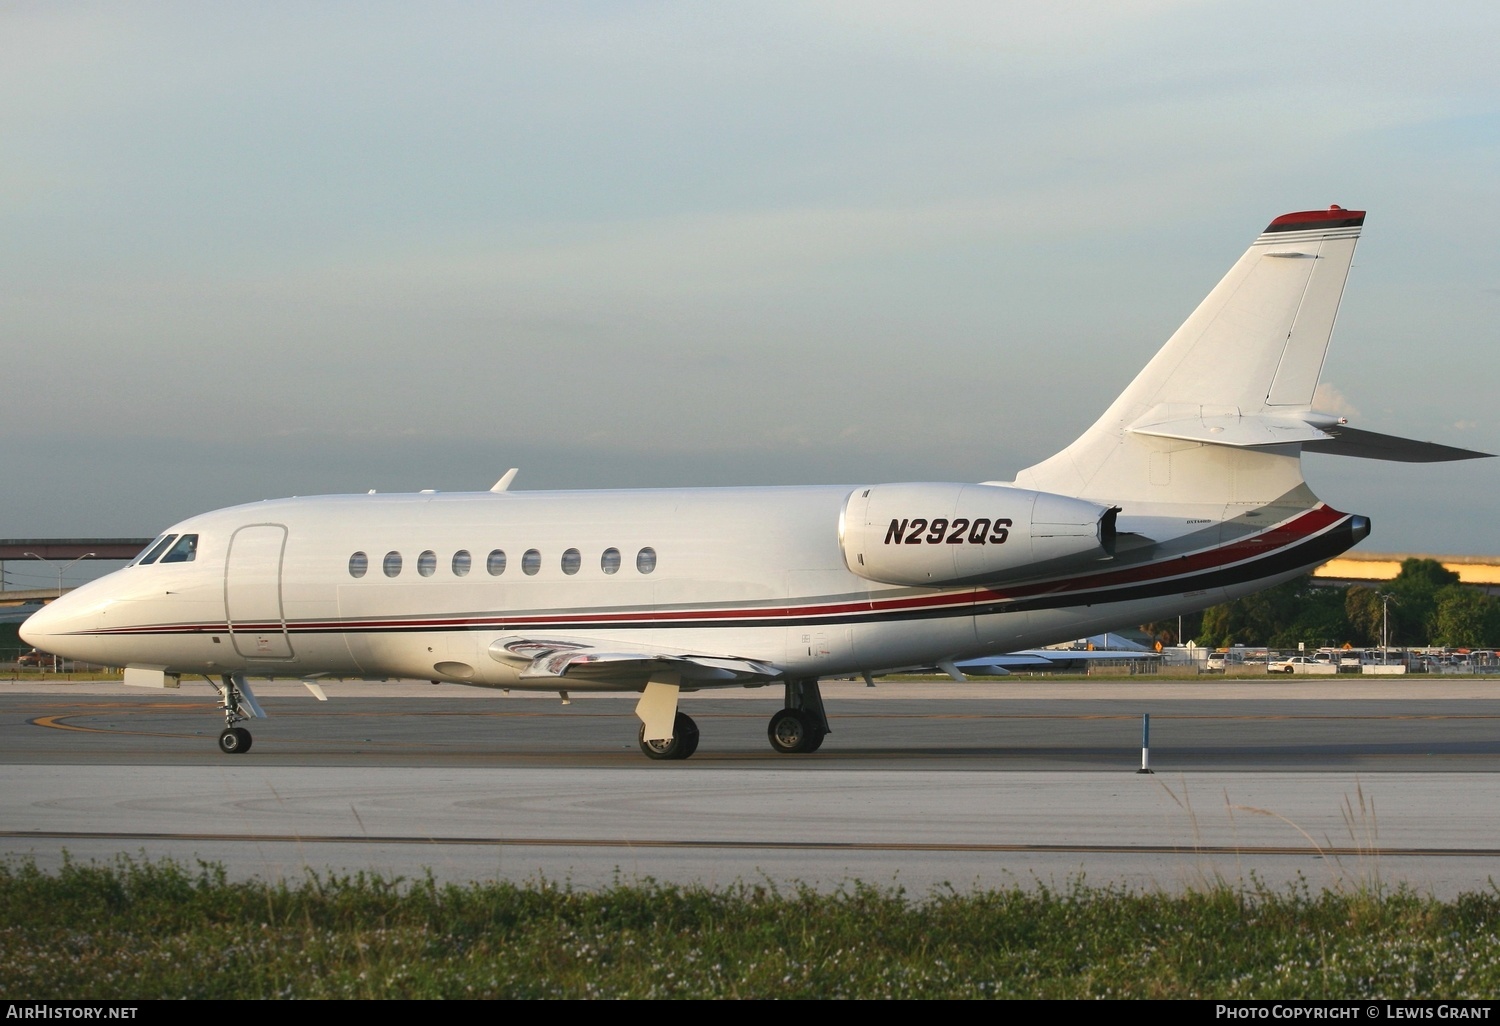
{"x": 49, "y": 627}
{"x": 37, "y": 628}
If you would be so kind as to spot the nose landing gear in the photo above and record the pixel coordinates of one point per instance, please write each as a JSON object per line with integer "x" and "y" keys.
{"x": 234, "y": 741}
{"x": 239, "y": 704}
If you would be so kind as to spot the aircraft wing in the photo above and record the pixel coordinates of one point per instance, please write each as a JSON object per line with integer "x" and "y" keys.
{"x": 1005, "y": 665}
{"x": 1104, "y": 648}
{"x": 541, "y": 658}
{"x": 1054, "y": 658}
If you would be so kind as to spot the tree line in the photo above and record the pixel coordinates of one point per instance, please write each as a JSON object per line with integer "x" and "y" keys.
{"x": 1427, "y": 606}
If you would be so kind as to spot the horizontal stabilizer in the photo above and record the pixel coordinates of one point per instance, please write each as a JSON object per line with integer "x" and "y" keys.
{"x": 1313, "y": 431}
{"x": 1369, "y": 445}
{"x": 1234, "y": 429}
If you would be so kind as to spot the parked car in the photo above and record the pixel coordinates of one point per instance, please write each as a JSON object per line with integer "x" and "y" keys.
{"x": 35, "y": 657}
{"x": 1289, "y": 665}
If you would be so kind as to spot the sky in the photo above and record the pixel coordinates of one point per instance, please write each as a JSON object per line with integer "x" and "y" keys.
{"x": 254, "y": 250}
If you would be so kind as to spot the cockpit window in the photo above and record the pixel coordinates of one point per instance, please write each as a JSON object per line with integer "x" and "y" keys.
{"x": 156, "y": 549}
{"x": 185, "y": 551}
{"x": 147, "y": 550}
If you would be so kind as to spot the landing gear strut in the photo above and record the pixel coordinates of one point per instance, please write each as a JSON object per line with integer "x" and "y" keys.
{"x": 800, "y": 727}
{"x": 239, "y": 704}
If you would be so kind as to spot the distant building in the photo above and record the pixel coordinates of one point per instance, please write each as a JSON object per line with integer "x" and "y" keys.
{"x": 1370, "y": 568}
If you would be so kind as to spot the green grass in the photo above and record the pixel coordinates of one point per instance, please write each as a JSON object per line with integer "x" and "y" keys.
{"x": 139, "y": 930}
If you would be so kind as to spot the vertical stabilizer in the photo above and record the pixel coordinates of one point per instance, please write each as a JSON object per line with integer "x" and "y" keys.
{"x": 1247, "y": 360}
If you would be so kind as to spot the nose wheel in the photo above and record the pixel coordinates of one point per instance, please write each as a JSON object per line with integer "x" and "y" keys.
{"x": 234, "y": 741}
{"x": 239, "y": 704}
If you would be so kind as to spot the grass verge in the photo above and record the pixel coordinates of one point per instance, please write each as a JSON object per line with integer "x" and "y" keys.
{"x": 141, "y": 930}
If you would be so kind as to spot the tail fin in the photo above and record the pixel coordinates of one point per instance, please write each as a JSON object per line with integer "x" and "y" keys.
{"x": 1221, "y": 413}
{"x": 1257, "y": 342}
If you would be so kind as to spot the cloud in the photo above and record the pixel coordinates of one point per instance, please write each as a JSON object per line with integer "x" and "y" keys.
{"x": 677, "y": 244}
{"x": 1328, "y": 399}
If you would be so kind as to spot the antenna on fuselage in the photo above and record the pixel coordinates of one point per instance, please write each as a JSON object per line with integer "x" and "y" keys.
{"x": 503, "y": 485}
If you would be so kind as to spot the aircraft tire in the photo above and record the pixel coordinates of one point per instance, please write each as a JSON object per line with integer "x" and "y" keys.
{"x": 683, "y": 744}
{"x": 234, "y": 741}
{"x": 688, "y": 731}
{"x": 792, "y": 732}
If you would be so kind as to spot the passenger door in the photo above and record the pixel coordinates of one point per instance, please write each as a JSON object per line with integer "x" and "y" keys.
{"x": 252, "y": 592}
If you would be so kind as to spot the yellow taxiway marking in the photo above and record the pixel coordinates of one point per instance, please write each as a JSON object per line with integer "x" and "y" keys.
{"x": 55, "y": 722}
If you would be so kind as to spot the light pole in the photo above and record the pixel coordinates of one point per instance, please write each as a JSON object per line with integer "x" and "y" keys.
{"x": 1386, "y": 598}
{"x": 60, "y": 571}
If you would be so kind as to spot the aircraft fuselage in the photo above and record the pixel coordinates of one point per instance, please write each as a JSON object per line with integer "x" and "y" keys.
{"x": 424, "y": 585}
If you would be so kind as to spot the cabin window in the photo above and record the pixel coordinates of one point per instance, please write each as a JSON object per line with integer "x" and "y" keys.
{"x": 610, "y": 561}
{"x": 496, "y": 563}
{"x": 427, "y": 563}
{"x": 392, "y": 564}
{"x": 531, "y": 562}
{"x": 645, "y": 560}
{"x": 185, "y": 551}
{"x": 359, "y": 564}
{"x": 571, "y": 561}
{"x": 156, "y": 550}
{"x": 461, "y": 563}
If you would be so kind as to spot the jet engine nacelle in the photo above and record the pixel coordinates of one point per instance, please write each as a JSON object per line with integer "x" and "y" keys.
{"x": 949, "y": 534}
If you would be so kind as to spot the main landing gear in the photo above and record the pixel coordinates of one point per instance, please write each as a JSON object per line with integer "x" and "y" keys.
{"x": 797, "y": 729}
{"x": 682, "y": 744}
{"x": 239, "y": 704}
{"x": 800, "y": 727}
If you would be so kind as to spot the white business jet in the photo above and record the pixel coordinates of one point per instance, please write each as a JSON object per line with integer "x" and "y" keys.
{"x": 1187, "y": 492}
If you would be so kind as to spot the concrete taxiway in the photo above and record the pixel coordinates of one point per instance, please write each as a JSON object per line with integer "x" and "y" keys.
{"x": 923, "y": 786}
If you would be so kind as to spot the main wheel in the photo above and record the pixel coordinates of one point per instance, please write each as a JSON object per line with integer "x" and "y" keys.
{"x": 685, "y": 728}
{"x": 793, "y": 732}
{"x": 683, "y": 744}
{"x": 234, "y": 741}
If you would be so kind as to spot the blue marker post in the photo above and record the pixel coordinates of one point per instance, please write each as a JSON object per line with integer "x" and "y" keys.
{"x": 1145, "y": 744}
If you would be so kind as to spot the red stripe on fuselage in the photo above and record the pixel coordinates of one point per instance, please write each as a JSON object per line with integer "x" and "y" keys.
{"x": 1248, "y": 549}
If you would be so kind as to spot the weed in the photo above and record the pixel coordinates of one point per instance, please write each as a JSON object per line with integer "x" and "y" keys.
{"x": 139, "y": 929}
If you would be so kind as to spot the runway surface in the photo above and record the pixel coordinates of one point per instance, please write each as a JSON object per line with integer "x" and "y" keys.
{"x": 922, "y": 786}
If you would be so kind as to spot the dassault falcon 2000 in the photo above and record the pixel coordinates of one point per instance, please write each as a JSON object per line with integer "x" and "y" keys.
{"x": 1187, "y": 492}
